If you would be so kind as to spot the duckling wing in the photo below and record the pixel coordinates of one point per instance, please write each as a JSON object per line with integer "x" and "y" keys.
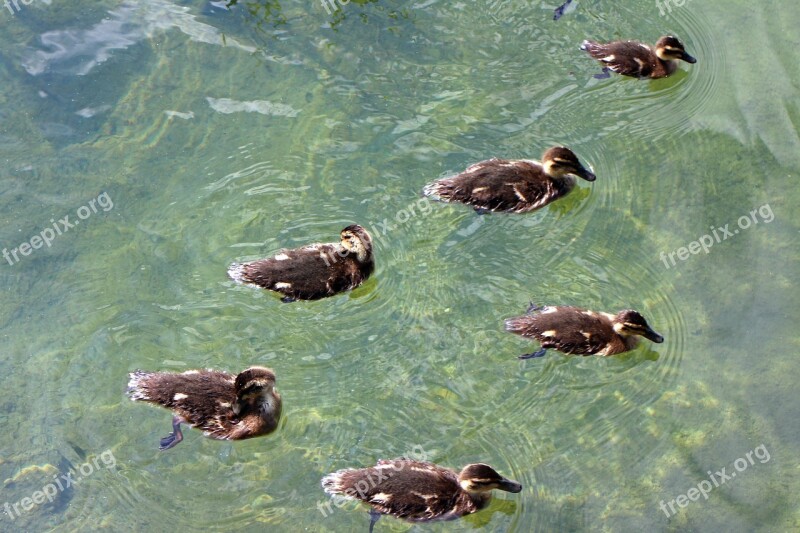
{"x": 413, "y": 490}
{"x": 306, "y": 273}
{"x": 568, "y": 329}
{"x": 630, "y": 58}
{"x": 202, "y": 398}
{"x": 252, "y": 422}
{"x": 500, "y": 185}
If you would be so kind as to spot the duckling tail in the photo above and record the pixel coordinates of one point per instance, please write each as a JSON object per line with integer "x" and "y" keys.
{"x": 237, "y": 274}
{"x": 518, "y": 325}
{"x": 589, "y": 46}
{"x": 336, "y": 483}
{"x": 136, "y": 391}
{"x": 438, "y": 190}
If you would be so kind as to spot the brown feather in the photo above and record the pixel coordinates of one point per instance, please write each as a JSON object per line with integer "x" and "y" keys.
{"x": 415, "y": 491}
{"x": 578, "y": 331}
{"x": 205, "y": 398}
{"x": 573, "y": 331}
{"x": 513, "y": 186}
{"x": 639, "y": 60}
{"x": 310, "y": 272}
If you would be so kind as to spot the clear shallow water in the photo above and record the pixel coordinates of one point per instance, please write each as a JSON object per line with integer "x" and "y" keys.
{"x": 146, "y": 101}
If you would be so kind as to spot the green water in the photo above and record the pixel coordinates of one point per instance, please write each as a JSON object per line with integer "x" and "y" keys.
{"x": 354, "y": 112}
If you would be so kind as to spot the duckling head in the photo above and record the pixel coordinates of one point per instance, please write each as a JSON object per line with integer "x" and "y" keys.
{"x": 630, "y": 322}
{"x": 669, "y": 47}
{"x": 356, "y": 240}
{"x": 479, "y": 477}
{"x": 254, "y": 386}
{"x": 560, "y": 161}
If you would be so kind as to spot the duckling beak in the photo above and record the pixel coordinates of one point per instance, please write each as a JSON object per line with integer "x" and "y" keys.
{"x": 585, "y": 174}
{"x": 509, "y": 486}
{"x": 653, "y": 336}
{"x": 689, "y": 59}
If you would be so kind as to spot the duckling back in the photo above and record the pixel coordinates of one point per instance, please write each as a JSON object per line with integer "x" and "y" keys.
{"x": 196, "y": 389}
{"x": 513, "y": 186}
{"x": 639, "y": 60}
{"x": 568, "y": 329}
{"x": 412, "y": 490}
{"x": 314, "y": 271}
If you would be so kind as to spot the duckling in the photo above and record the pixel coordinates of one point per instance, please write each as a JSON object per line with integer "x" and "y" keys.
{"x": 577, "y": 331}
{"x": 314, "y": 271}
{"x": 224, "y": 406}
{"x": 418, "y": 491}
{"x": 640, "y": 60}
{"x": 512, "y": 186}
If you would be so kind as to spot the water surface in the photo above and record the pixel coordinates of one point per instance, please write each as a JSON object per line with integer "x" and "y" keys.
{"x": 223, "y": 136}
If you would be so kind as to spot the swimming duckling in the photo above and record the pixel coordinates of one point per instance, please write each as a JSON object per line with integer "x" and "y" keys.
{"x": 314, "y": 271}
{"x": 222, "y": 405}
{"x": 513, "y": 186}
{"x": 577, "y": 331}
{"x": 418, "y": 491}
{"x": 639, "y": 60}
